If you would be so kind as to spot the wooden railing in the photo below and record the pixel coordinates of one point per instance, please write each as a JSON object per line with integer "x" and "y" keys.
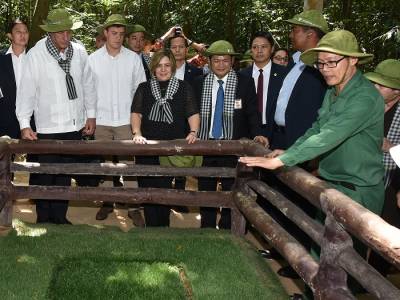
{"x": 326, "y": 277}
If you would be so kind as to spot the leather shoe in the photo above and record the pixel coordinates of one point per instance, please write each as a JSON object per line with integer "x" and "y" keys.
{"x": 136, "y": 217}
{"x": 288, "y": 272}
{"x": 103, "y": 213}
{"x": 296, "y": 297}
{"x": 269, "y": 253}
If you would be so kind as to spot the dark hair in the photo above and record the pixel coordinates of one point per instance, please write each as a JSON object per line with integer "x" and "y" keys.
{"x": 156, "y": 58}
{"x": 263, "y": 34}
{"x": 317, "y": 31}
{"x": 280, "y": 49}
{"x": 14, "y": 23}
{"x": 168, "y": 44}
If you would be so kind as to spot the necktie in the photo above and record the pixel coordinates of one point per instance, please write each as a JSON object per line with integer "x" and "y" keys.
{"x": 219, "y": 108}
{"x": 260, "y": 89}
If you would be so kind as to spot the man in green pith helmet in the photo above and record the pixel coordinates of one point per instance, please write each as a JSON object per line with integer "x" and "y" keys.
{"x": 136, "y": 36}
{"x": 117, "y": 72}
{"x": 60, "y": 94}
{"x": 347, "y": 135}
{"x": 228, "y": 111}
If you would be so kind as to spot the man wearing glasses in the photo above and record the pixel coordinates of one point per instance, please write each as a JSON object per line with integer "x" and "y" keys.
{"x": 348, "y": 133}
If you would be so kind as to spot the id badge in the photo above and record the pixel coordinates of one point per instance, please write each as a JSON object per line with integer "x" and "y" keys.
{"x": 238, "y": 104}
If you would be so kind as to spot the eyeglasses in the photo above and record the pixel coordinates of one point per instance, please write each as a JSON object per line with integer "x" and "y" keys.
{"x": 281, "y": 58}
{"x": 329, "y": 64}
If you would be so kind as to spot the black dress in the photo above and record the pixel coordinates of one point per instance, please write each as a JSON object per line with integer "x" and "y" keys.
{"x": 183, "y": 105}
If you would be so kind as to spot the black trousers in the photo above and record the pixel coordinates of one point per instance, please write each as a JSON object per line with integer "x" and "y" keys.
{"x": 54, "y": 211}
{"x": 279, "y": 141}
{"x": 209, "y": 214}
{"x": 156, "y": 215}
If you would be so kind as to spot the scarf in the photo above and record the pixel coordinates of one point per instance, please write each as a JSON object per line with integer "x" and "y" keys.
{"x": 161, "y": 109}
{"x": 394, "y": 137}
{"x": 65, "y": 64}
{"x": 229, "y": 105}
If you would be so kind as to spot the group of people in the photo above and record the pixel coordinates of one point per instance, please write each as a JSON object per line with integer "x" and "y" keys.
{"x": 313, "y": 108}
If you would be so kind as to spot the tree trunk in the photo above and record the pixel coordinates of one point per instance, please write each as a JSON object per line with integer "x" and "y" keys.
{"x": 40, "y": 13}
{"x": 313, "y": 4}
{"x": 346, "y": 13}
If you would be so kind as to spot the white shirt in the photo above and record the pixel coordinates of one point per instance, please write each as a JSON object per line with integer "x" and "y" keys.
{"x": 44, "y": 92}
{"x": 266, "y": 75}
{"x": 116, "y": 80}
{"x": 214, "y": 100}
{"x": 287, "y": 88}
{"x": 18, "y": 64}
{"x": 180, "y": 72}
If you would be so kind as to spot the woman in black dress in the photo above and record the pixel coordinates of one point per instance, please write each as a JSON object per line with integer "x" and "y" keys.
{"x": 163, "y": 108}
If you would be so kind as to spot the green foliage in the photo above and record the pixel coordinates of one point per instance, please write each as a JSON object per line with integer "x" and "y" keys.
{"x": 373, "y": 21}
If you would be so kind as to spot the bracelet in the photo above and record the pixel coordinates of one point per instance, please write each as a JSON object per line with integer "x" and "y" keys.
{"x": 190, "y": 42}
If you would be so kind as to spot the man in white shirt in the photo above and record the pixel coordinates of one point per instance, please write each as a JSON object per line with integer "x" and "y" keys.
{"x": 60, "y": 92}
{"x": 117, "y": 73}
{"x": 11, "y": 66}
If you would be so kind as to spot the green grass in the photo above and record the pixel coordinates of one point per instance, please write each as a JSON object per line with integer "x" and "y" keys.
{"x": 83, "y": 262}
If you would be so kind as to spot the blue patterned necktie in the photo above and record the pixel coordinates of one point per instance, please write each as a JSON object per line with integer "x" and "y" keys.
{"x": 219, "y": 108}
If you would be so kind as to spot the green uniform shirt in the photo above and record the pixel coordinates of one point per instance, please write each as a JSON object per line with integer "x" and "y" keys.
{"x": 347, "y": 136}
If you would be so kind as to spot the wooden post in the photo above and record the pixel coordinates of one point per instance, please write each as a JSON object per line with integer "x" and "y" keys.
{"x": 243, "y": 175}
{"x": 6, "y": 195}
{"x": 331, "y": 280}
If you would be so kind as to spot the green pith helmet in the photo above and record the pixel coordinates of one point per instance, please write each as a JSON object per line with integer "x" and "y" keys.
{"x": 310, "y": 18}
{"x": 220, "y": 47}
{"x": 340, "y": 42}
{"x": 137, "y": 28}
{"x": 386, "y": 73}
{"x": 114, "y": 19}
{"x": 59, "y": 19}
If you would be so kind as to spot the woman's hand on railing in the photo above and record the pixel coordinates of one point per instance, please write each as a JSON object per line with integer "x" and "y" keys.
{"x": 138, "y": 139}
{"x": 28, "y": 134}
{"x": 191, "y": 137}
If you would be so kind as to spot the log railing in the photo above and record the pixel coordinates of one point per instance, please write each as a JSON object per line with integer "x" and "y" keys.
{"x": 326, "y": 277}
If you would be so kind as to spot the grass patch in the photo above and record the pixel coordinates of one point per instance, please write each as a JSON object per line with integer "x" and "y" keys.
{"x": 83, "y": 262}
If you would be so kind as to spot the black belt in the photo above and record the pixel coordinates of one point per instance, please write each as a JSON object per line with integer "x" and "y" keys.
{"x": 347, "y": 185}
{"x": 280, "y": 129}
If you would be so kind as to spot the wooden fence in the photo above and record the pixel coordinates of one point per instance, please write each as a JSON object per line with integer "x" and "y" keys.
{"x": 326, "y": 277}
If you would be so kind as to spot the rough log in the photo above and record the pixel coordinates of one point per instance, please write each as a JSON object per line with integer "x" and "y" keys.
{"x": 121, "y": 169}
{"x": 126, "y": 195}
{"x": 331, "y": 279}
{"x": 298, "y": 257}
{"x": 374, "y": 282}
{"x": 290, "y": 210}
{"x": 6, "y": 196}
{"x": 175, "y": 147}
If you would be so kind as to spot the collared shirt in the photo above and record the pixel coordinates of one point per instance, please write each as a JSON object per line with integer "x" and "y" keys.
{"x": 18, "y": 64}
{"x": 347, "y": 135}
{"x": 214, "y": 99}
{"x": 44, "y": 92}
{"x": 180, "y": 72}
{"x": 287, "y": 88}
{"x": 266, "y": 76}
{"x": 116, "y": 81}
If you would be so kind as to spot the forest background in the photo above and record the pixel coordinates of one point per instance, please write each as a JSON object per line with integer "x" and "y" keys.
{"x": 375, "y": 23}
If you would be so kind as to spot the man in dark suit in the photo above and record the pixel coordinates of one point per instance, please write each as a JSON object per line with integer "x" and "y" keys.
{"x": 228, "y": 111}
{"x": 184, "y": 71}
{"x": 299, "y": 100}
{"x": 11, "y": 66}
{"x": 268, "y": 78}
{"x": 304, "y": 88}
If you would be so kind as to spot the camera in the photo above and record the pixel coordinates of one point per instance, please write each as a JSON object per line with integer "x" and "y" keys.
{"x": 178, "y": 30}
